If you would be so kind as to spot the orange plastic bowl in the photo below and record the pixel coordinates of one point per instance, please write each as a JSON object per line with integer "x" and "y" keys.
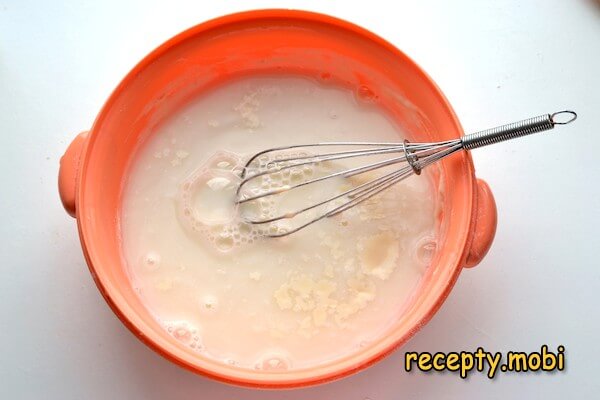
{"x": 93, "y": 168}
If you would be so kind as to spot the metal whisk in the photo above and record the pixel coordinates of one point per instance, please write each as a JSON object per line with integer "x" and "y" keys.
{"x": 410, "y": 157}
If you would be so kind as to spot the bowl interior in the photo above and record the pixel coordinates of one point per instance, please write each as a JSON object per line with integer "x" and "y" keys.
{"x": 264, "y": 42}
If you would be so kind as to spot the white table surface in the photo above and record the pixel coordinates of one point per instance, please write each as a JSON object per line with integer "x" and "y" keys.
{"x": 497, "y": 61}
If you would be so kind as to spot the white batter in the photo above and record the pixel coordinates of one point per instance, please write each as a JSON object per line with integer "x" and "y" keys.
{"x": 269, "y": 304}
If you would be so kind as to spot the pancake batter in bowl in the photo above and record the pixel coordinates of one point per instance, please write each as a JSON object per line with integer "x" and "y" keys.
{"x": 266, "y": 304}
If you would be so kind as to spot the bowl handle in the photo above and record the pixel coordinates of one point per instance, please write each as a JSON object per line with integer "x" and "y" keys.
{"x": 68, "y": 173}
{"x": 483, "y": 225}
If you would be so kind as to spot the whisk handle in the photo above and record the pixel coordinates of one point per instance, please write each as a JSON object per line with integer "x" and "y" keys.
{"x": 517, "y": 129}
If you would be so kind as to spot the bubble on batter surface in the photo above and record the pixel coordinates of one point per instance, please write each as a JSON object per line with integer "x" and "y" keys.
{"x": 209, "y": 304}
{"x": 185, "y": 333}
{"x": 151, "y": 260}
{"x": 273, "y": 361}
{"x": 425, "y": 250}
{"x": 230, "y": 361}
{"x": 206, "y": 203}
{"x": 209, "y": 197}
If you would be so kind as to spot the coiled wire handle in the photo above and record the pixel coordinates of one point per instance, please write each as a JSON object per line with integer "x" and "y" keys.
{"x": 517, "y": 129}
